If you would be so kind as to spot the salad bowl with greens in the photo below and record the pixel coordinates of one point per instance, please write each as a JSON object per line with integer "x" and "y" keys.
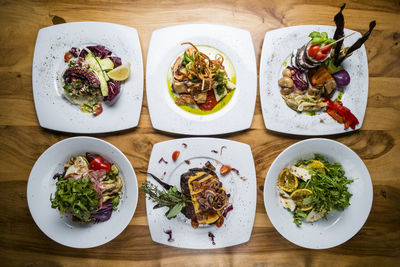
{"x": 81, "y": 199}
{"x": 318, "y": 193}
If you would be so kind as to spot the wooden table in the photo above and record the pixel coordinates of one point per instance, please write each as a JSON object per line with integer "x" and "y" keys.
{"x": 22, "y": 140}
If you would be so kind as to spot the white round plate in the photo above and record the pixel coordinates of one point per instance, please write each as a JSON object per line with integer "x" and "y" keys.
{"x": 340, "y": 226}
{"x": 61, "y": 228}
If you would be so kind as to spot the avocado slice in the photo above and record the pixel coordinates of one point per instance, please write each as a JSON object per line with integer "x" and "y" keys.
{"x": 94, "y": 64}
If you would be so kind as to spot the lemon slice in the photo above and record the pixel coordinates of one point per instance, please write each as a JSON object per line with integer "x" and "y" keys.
{"x": 287, "y": 181}
{"x": 120, "y": 73}
{"x": 299, "y": 195}
{"x": 316, "y": 164}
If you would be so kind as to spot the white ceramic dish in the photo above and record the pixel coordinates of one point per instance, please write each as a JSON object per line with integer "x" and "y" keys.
{"x": 165, "y": 46}
{"x": 277, "y": 115}
{"x": 61, "y": 228}
{"x": 340, "y": 226}
{"x": 53, "y": 110}
{"x": 238, "y": 224}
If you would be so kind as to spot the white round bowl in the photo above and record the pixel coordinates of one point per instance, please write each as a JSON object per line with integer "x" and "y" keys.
{"x": 61, "y": 228}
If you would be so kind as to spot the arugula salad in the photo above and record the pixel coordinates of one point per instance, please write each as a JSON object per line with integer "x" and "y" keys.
{"x": 90, "y": 189}
{"x": 311, "y": 188}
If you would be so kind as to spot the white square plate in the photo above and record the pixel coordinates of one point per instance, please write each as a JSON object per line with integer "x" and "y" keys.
{"x": 53, "y": 110}
{"x": 238, "y": 223}
{"x": 165, "y": 46}
{"x": 277, "y": 47}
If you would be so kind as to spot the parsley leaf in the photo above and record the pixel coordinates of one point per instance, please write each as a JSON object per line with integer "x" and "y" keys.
{"x": 76, "y": 196}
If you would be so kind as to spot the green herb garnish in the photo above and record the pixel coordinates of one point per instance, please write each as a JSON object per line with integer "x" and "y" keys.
{"x": 186, "y": 59}
{"x": 172, "y": 198}
{"x": 320, "y": 38}
{"x": 330, "y": 189}
{"x": 76, "y": 196}
{"x": 115, "y": 202}
{"x": 68, "y": 87}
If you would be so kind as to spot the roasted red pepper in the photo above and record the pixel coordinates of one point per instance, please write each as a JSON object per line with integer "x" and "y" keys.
{"x": 99, "y": 164}
{"x": 341, "y": 114}
{"x": 335, "y": 115}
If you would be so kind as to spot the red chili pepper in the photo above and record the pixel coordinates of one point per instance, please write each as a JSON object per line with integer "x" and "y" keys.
{"x": 99, "y": 164}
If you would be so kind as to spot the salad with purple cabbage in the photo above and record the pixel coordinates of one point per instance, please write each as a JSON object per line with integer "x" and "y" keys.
{"x": 86, "y": 81}
{"x": 89, "y": 189}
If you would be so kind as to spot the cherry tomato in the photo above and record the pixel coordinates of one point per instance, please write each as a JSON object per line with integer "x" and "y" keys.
{"x": 313, "y": 50}
{"x": 67, "y": 56}
{"x": 194, "y": 224}
{"x": 175, "y": 155}
{"x": 99, "y": 164}
{"x": 225, "y": 169}
{"x": 210, "y": 103}
{"x": 97, "y": 109}
{"x": 220, "y": 222}
{"x": 326, "y": 49}
{"x": 320, "y": 56}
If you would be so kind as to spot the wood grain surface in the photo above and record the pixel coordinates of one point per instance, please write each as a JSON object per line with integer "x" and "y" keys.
{"x": 22, "y": 140}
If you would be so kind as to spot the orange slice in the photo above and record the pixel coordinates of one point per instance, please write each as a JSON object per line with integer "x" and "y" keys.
{"x": 287, "y": 181}
{"x": 299, "y": 195}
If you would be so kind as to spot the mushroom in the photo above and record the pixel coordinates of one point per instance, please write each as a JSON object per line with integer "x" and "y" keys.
{"x": 314, "y": 91}
{"x": 286, "y": 91}
{"x": 287, "y": 73}
{"x": 285, "y": 82}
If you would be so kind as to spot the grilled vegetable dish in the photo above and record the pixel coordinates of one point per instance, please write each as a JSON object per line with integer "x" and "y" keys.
{"x": 89, "y": 188}
{"x": 203, "y": 199}
{"x": 198, "y": 80}
{"x": 314, "y": 72}
{"x": 310, "y": 189}
{"x": 92, "y": 76}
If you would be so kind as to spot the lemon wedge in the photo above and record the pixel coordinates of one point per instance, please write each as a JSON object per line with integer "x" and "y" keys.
{"x": 120, "y": 73}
